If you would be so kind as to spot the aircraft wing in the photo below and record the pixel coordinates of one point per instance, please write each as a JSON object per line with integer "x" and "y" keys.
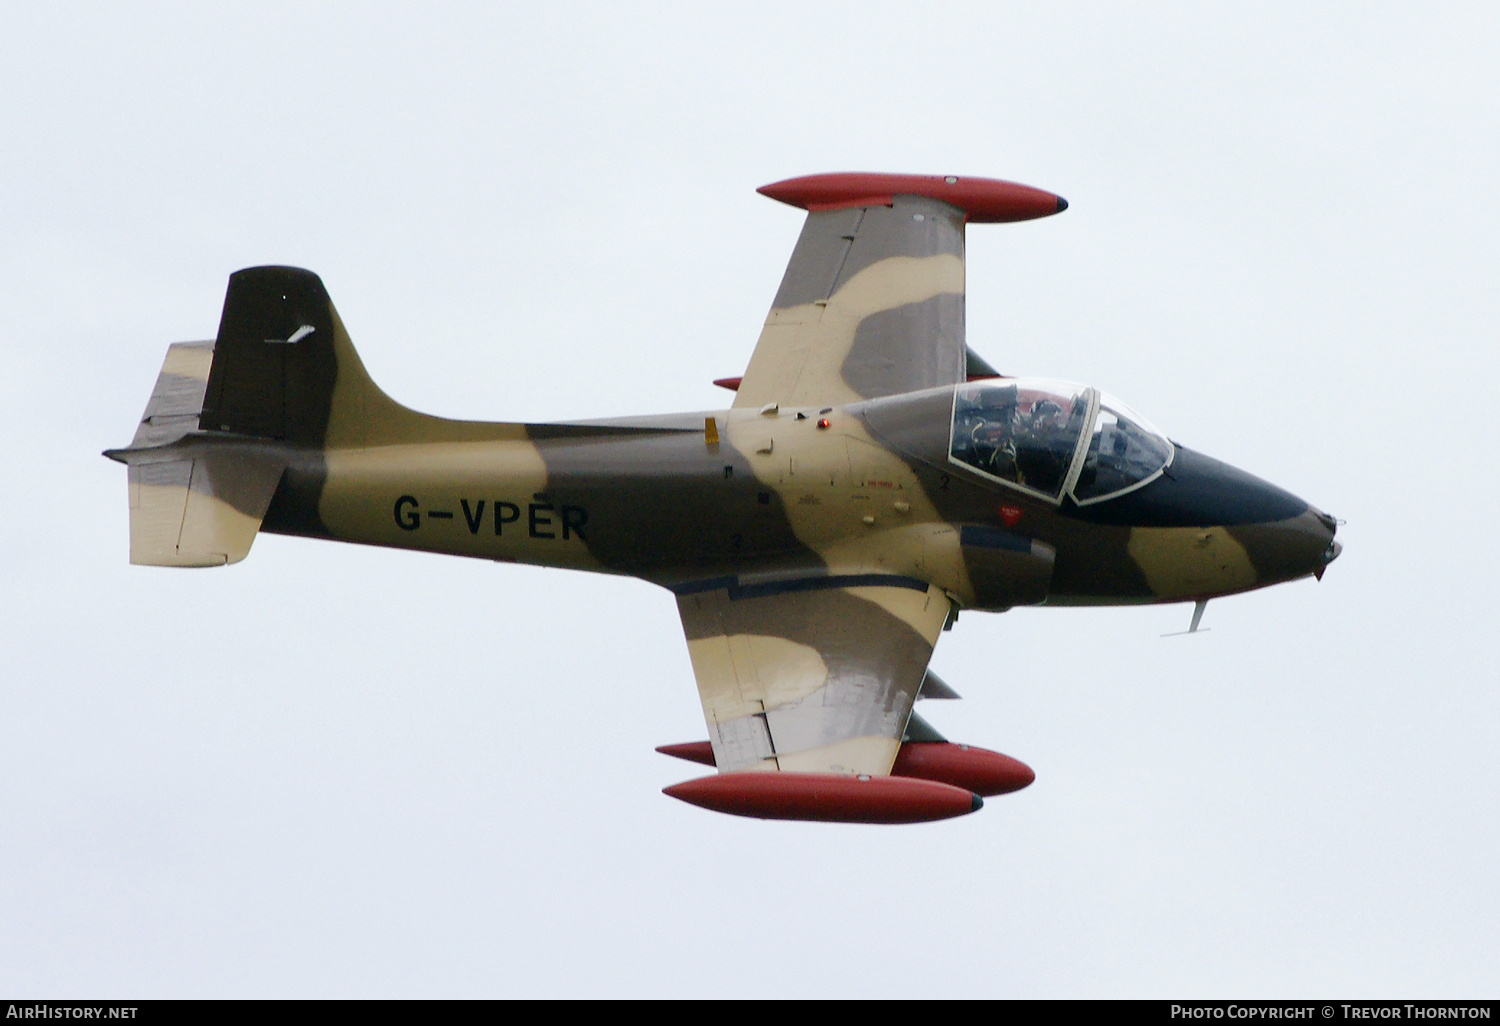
{"x": 872, "y": 302}
{"x": 810, "y": 674}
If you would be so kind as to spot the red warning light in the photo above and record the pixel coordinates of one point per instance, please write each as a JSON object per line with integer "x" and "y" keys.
{"x": 824, "y": 422}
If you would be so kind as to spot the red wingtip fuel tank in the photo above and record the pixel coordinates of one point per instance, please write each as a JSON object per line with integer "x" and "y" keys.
{"x": 978, "y": 770}
{"x": 827, "y": 797}
{"x": 974, "y": 769}
{"x": 983, "y": 200}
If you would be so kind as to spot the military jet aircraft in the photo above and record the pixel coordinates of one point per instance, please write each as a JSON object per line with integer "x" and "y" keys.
{"x": 872, "y": 477}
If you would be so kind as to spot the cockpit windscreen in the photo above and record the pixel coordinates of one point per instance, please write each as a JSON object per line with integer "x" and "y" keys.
{"x": 1125, "y": 450}
{"x": 1023, "y": 431}
{"x": 1029, "y": 433}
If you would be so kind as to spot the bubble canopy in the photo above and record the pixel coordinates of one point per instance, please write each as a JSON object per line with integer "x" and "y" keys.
{"x": 1054, "y": 438}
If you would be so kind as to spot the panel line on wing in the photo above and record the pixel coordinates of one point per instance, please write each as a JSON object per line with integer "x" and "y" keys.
{"x": 833, "y": 283}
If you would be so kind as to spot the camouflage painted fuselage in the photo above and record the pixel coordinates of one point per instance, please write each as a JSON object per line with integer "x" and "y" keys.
{"x": 874, "y": 492}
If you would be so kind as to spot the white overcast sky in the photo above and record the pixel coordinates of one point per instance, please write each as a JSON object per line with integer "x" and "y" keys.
{"x": 340, "y": 771}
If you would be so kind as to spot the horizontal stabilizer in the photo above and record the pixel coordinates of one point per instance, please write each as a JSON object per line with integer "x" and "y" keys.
{"x": 192, "y": 504}
{"x": 177, "y": 399}
{"x": 202, "y": 511}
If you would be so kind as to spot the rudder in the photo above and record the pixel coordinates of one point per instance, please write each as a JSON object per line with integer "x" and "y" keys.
{"x": 274, "y": 363}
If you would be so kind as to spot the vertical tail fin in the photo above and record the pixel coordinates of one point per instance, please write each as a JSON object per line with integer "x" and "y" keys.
{"x": 283, "y": 365}
{"x": 284, "y": 369}
{"x": 224, "y": 416}
{"x": 279, "y": 385}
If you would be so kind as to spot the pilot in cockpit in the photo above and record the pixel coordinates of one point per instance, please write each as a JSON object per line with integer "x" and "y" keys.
{"x": 992, "y": 434}
{"x": 1042, "y": 459}
{"x": 1029, "y": 432}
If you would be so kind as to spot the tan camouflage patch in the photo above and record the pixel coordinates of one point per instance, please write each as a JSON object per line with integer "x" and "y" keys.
{"x": 873, "y": 755}
{"x": 799, "y": 358}
{"x": 362, "y": 415}
{"x": 1184, "y": 562}
{"x": 851, "y": 500}
{"x": 746, "y": 674}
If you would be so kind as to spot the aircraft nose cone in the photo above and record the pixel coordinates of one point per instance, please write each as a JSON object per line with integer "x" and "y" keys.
{"x": 1285, "y": 550}
{"x": 1332, "y": 553}
{"x": 1198, "y": 491}
{"x": 1283, "y": 537}
{"x": 1334, "y": 547}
